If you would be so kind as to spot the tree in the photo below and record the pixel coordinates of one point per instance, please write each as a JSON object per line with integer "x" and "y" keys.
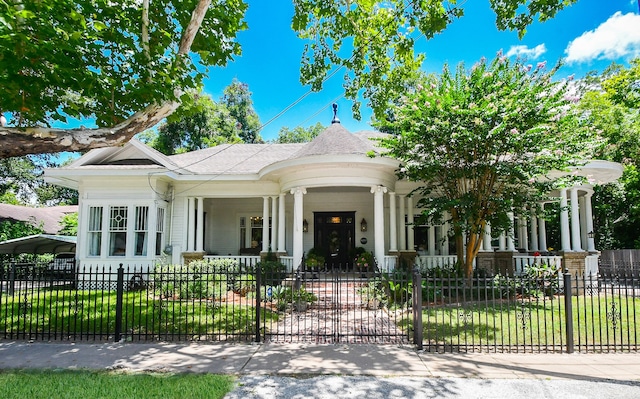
{"x": 609, "y": 103}
{"x": 375, "y": 40}
{"x": 200, "y": 122}
{"x": 299, "y": 134}
{"x": 237, "y": 100}
{"x": 125, "y": 64}
{"x": 481, "y": 144}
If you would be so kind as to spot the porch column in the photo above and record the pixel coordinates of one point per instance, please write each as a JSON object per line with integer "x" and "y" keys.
{"x": 411, "y": 246}
{"x": 542, "y": 231}
{"x": 378, "y": 221}
{"x": 575, "y": 221}
{"x": 486, "y": 238}
{"x": 403, "y": 225}
{"x": 502, "y": 242}
{"x": 298, "y": 248}
{"x": 191, "y": 222}
{"x": 445, "y": 234}
{"x": 281, "y": 225}
{"x": 432, "y": 239}
{"x": 510, "y": 246}
{"x": 200, "y": 226}
{"x": 274, "y": 224}
{"x": 564, "y": 222}
{"x": 265, "y": 224}
{"x": 583, "y": 222}
{"x": 523, "y": 235}
{"x": 393, "y": 223}
{"x": 591, "y": 245}
{"x": 534, "y": 231}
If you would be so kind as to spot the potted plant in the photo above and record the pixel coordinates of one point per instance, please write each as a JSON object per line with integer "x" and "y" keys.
{"x": 315, "y": 259}
{"x": 364, "y": 262}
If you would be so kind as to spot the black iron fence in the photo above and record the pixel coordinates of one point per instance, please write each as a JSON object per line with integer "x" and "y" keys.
{"x": 225, "y": 301}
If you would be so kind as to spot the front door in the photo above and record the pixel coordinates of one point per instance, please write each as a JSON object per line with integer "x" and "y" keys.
{"x": 335, "y": 236}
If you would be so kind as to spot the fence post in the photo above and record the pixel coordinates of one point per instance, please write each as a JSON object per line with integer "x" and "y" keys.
{"x": 119, "y": 295}
{"x": 258, "y": 299}
{"x": 417, "y": 308}
{"x": 568, "y": 310}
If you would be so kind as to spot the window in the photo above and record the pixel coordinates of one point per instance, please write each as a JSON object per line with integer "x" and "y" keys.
{"x": 251, "y": 233}
{"x": 118, "y": 231}
{"x": 141, "y": 230}
{"x": 159, "y": 230}
{"x": 95, "y": 231}
{"x": 256, "y": 232}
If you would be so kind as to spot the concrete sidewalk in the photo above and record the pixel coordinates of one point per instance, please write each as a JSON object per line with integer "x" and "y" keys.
{"x": 310, "y": 360}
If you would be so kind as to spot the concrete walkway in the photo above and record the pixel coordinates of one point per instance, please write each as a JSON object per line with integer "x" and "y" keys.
{"x": 311, "y": 360}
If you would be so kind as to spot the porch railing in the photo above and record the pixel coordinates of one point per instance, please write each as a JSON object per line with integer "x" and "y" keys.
{"x": 430, "y": 262}
{"x": 246, "y": 260}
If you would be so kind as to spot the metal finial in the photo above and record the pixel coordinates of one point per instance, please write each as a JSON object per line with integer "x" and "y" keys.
{"x": 335, "y": 114}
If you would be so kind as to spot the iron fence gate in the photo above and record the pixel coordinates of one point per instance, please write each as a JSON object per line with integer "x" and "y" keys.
{"x": 341, "y": 307}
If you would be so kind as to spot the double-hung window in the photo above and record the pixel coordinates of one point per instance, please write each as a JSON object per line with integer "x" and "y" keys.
{"x": 118, "y": 231}
{"x": 95, "y": 231}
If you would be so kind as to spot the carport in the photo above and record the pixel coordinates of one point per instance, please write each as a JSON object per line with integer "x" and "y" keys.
{"x": 39, "y": 244}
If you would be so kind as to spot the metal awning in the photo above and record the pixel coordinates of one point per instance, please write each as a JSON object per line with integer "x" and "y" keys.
{"x": 39, "y": 244}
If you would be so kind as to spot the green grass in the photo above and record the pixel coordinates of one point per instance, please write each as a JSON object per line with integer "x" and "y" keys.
{"x": 65, "y": 384}
{"x": 89, "y": 312}
{"x": 596, "y": 321}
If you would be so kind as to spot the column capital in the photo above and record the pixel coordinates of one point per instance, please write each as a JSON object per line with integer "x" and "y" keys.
{"x": 378, "y": 189}
{"x": 299, "y": 190}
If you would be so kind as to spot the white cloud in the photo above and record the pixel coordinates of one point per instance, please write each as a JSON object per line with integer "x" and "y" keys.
{"x": 526, "y": 52}
{"x": 617, "y": 37}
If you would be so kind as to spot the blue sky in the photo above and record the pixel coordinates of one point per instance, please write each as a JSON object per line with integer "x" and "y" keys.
{"x": 589, "y": 35}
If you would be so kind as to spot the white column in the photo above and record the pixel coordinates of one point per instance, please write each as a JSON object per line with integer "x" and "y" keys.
{"x": 523, "y": 235}
{"x": 510, "y": 246}
{"x": 591, "y": 245}
{"x": 402, "y": 224}
{"x": 191, "y": 222}
{"x": 583, "y": 222}
{"x": 378, "y": 222}
{"x": 200, "y": 226}
{"x": 273, "y": 242}
{"x": 445, "y": 234}
{"x": 265, "y": 224}
{"x": 393, "y": 223}
{"x": 432, "y": 240}
{"x": 564, "y": 221}
{"x": 575, "y": 221}
{"x": 411, "y": 237}
{"x": 534, "y": 231}
{"x": 298, "y": 248}
{"x": 502, "y": 242}
{"x": 486, "y": 238}
{"x": 281, "y": 224}
{"x": 542, "y": 233}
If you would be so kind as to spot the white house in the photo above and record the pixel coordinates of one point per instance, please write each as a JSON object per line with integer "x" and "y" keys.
{"x": 247, "y": 199}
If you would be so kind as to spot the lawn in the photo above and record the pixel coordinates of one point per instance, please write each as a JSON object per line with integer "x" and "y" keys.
{"x": 597, "y": 322}
{"x": 66, "y": 384}
{"x": 69, "y": 312}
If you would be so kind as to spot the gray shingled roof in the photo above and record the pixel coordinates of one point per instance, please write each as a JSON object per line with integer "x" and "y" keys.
{"x": 50, "y": 217}
{"x": 251, "y": 158}
{"x": 336, "y": 140}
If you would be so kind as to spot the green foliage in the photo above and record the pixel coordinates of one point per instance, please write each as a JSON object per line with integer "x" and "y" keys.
{"x": 481, "y": 142}
{"x": 244, "y": 284}
{"x": 69, "y": 224}
{"x": 86, "y": 59}
{"x": 375, "y": 40}
{"x": 614, "y": 113}
{"x": 315, "y": 258}
{"x": 16, "y": 229}
{"x": 200, "y": 122}
{"x": 199, "y": 279}
{"x": 299, "y": 134}
{"x": 272, "y": 272}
